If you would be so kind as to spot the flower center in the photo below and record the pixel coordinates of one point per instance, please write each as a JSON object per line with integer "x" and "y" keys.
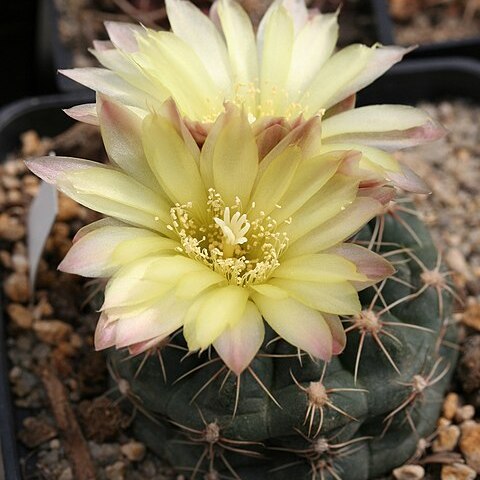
{"x": 244, "y": 247}
{"x": 233, "y": 229}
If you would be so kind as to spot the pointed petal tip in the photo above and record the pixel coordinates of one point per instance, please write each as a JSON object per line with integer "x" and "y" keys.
{"x": 40, "y": 167}
{"x": 105, "y": 333}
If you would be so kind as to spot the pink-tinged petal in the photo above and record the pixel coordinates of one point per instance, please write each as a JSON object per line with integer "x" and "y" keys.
{"x": 298, "y": 324}
{"x": 51, "y": 168}
{"x": 92, "y": 254}
{"x": 373, "y": 266}
{"x": 269, "y": 138}
{"x": 105, "y": 333}
{"x": 298, "y": 11}
{"x": 106, "y": 190}
{"x": 342, "y": 106}
{"x": 86, "y": 113}
{"x": 307, "y": 135}
{"x": 159, "y": 320}
{"x": 408, "y": 180}
{"x": 351, "y": 166}
{"x": 103, "y": 45}
{"x": 388, "y": 127}
{"x": 188, "y": 131}
{"x": 338, "y": 333}
{"x": 383, "y": 194}
{"x": 121, "y": 133}
{"x": 240, "y": 342}
{"x": 103, "y": 222}
{"x": 138, "y": 348}
{"x": 123, "y": 35}
{"x": 382, "y": 59}
{"x": 109, "y": 83}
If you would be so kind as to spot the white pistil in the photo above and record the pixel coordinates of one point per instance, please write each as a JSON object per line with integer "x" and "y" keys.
{"x": 234, "y": 230}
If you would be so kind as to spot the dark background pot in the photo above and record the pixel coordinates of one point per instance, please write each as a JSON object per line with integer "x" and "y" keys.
{"x": 18, "y": 49}
{"x": 409, "y": 82}
{"x": 44, "y": 115}
{"x": 467, "y": 47}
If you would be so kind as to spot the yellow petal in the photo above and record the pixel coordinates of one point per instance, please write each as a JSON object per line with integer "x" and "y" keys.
{"x": 212, "y": 313}
{"x": 381, "y": 159}
{"x": 339, "y": 192}
{"x": 274, "y": 182}
{"x": 173, "y": 164}
{"x": 298, "y": 324}
{"x": 235, "y": 160}
{"x": 198, "y": 31}
{"x": 319, "y": 35}
{"x": 311, "y": 175}
{"x": 238, "y": 31}
{"x": 195, "y": 283}
{"x": 337, "y": 72}
{"x": 320, "y": 267}
{"x": 170, "y": 61}
{"x": 338, "y": 229}
{"x": 275, "y": 60}
{"x": 339, "y": 298}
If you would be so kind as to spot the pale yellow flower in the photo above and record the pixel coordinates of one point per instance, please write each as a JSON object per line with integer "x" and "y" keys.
{"x": 215, "y": 239}
{"x": 288, "y": 68}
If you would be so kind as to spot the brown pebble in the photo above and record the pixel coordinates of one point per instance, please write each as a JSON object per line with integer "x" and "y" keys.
{"x": 409, "y": 472}
{"x": 52, "y": 331}
{"x": 35, "y": 432}
{"x": 470, "y": 443}
{"x": 10, "y": 182}
{"x": 31, "y": 143}
{"x": 68, "y": 209}
{"x": 447, "y": 439}
{"x": 101, "y": 419}
{"x": 20, "y": 263}
{"x": 457, "y": 471}
{"x": 20, "y": 316}
{"x": 16, "y": 287}
{"x": 443, "y": 422}
{"x": 10, "y": 228}
{"x": 14, "y": 197}
{"x": 134, "y": 451}
{"x": 115, "y": 471}
{"x": 6, "y": 259}
{"x": 469, "y": 365}
{"x": 471, "y": 317}
{"x": 450, "y": 405}
{"x": 42, "y": 309}
{"x": 467, "y": 412}
{"x": 457, "y": 262}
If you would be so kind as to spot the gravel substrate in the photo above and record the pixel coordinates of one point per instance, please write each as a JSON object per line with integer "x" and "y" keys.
{"x": 50, "y": 344}
{"x": 434, "y": 21}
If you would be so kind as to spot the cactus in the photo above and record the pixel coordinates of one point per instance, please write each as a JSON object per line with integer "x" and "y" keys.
{"x": 288, "y": 416}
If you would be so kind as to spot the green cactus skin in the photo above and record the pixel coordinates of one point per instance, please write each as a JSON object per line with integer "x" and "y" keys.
{"x": 190, "y": 423}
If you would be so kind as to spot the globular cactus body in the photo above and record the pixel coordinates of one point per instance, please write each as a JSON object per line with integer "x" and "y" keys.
{"x": 288, "y": 416}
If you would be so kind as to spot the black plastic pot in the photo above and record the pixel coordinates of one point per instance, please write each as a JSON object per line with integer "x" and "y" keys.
{"x": 466, "y": 47}
{"x": 408, "y": 83}
{"x": 17, "y": 49}
{"x": 59, "y": 56}
{"x": 44, "y": 115}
